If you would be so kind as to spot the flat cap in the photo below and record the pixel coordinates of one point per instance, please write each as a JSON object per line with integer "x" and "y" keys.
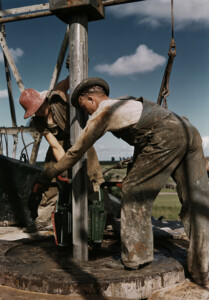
{"x": 87, "y": 83}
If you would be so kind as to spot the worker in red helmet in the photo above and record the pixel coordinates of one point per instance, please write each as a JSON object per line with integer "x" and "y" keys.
{"x": 49, "y": 115}
{"x": 31, "y": 101}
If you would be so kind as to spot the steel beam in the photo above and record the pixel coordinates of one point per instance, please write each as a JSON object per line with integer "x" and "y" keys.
{"x": 44, "y": 12}
{"x": 118, "y": 2}
{"x": 11, "y": 104}
{"x": 60, "y": 60}
{"x": 11, "y": 62}
{"x": 78, "y": 61}
{"x": 62, "y": 8}
{"x": 15, "y": 130}
{"x": 26, "y": 16}
{"x": 25, "y": 9}
{"x": 10, "y": 93}
{"x": 34, "y": 153}
{"x": 9, "y": 82}
{"x": 26, "y": 12}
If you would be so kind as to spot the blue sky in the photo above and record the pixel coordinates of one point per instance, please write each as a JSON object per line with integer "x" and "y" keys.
{"x": 129, "y": 50}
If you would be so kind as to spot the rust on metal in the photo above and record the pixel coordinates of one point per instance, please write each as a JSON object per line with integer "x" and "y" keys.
{"x": 26, "y": 16}
{"x": 64, "y": 8}
{"x": 21, "y": 13}
{"x": 15, "y": 130}
{"x": 26, "y": 12}
{"x": 26, "y": 9}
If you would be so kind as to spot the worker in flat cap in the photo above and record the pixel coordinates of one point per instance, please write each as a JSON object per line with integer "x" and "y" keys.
{"x": 165, "y": 145}
{"x": 49, "y": 115}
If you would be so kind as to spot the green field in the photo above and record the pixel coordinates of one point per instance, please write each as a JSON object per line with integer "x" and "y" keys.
{"x": 166, "y": 204}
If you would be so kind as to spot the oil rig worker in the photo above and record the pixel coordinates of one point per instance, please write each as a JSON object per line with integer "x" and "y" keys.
{"x": 165, "y": 145}
{"x": 50, "y": 118}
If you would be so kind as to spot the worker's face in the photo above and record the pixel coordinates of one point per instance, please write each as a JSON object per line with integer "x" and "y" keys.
{"x": 43, "y": 110}
{"x": 88, "y": 103}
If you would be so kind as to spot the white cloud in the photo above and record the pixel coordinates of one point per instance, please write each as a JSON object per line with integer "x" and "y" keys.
{"x": 3, "y": 94}
{"x": 15, "y": 53}
{"x": 150, "y": 22}
{"x": 143, "y": 60}
{"x": 156, "y": 12}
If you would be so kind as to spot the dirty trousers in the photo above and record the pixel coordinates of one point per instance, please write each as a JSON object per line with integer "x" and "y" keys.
{"x": 172, "y": 147}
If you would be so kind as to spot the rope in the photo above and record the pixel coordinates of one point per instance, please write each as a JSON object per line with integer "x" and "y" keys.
{"x": 172, "y": 33}
{"x": 164, "y": 89}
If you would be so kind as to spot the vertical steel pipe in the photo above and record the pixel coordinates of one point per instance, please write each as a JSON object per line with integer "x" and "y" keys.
{"x": 78, "y": 62}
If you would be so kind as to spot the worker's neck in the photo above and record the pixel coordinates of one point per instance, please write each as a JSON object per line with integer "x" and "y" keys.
{"x": 102, "y": 98}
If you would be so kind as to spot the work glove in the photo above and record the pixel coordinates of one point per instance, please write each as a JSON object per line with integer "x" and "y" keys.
{"x": 44, "y": 180}
{"x": 63, "y": 177}
{"x": 41, "y": 183}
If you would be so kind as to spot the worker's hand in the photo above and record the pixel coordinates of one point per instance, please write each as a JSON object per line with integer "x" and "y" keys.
{"x": 38, "y": 188}
{"x": 41, "y": 183}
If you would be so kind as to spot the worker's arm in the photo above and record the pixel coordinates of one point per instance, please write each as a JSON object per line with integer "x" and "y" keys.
{"x": 57, "y": 149}
{"x": 63, "y": 85}
{"x": 58, "y": 153}
{"x": 95, "y": 128}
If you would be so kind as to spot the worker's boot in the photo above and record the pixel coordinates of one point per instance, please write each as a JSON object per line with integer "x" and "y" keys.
{"x": 37, "y": 226}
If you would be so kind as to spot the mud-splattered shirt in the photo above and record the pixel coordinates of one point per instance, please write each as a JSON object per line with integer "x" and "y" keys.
{"x": 111, "y": 115}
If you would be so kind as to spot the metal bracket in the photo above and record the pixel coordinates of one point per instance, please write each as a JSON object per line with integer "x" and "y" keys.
{"x": 63, "y": 8}
{"x": 37, "y": 140}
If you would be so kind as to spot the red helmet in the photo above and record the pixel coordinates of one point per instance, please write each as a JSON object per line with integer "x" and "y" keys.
{"x": 31, "y": 100}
